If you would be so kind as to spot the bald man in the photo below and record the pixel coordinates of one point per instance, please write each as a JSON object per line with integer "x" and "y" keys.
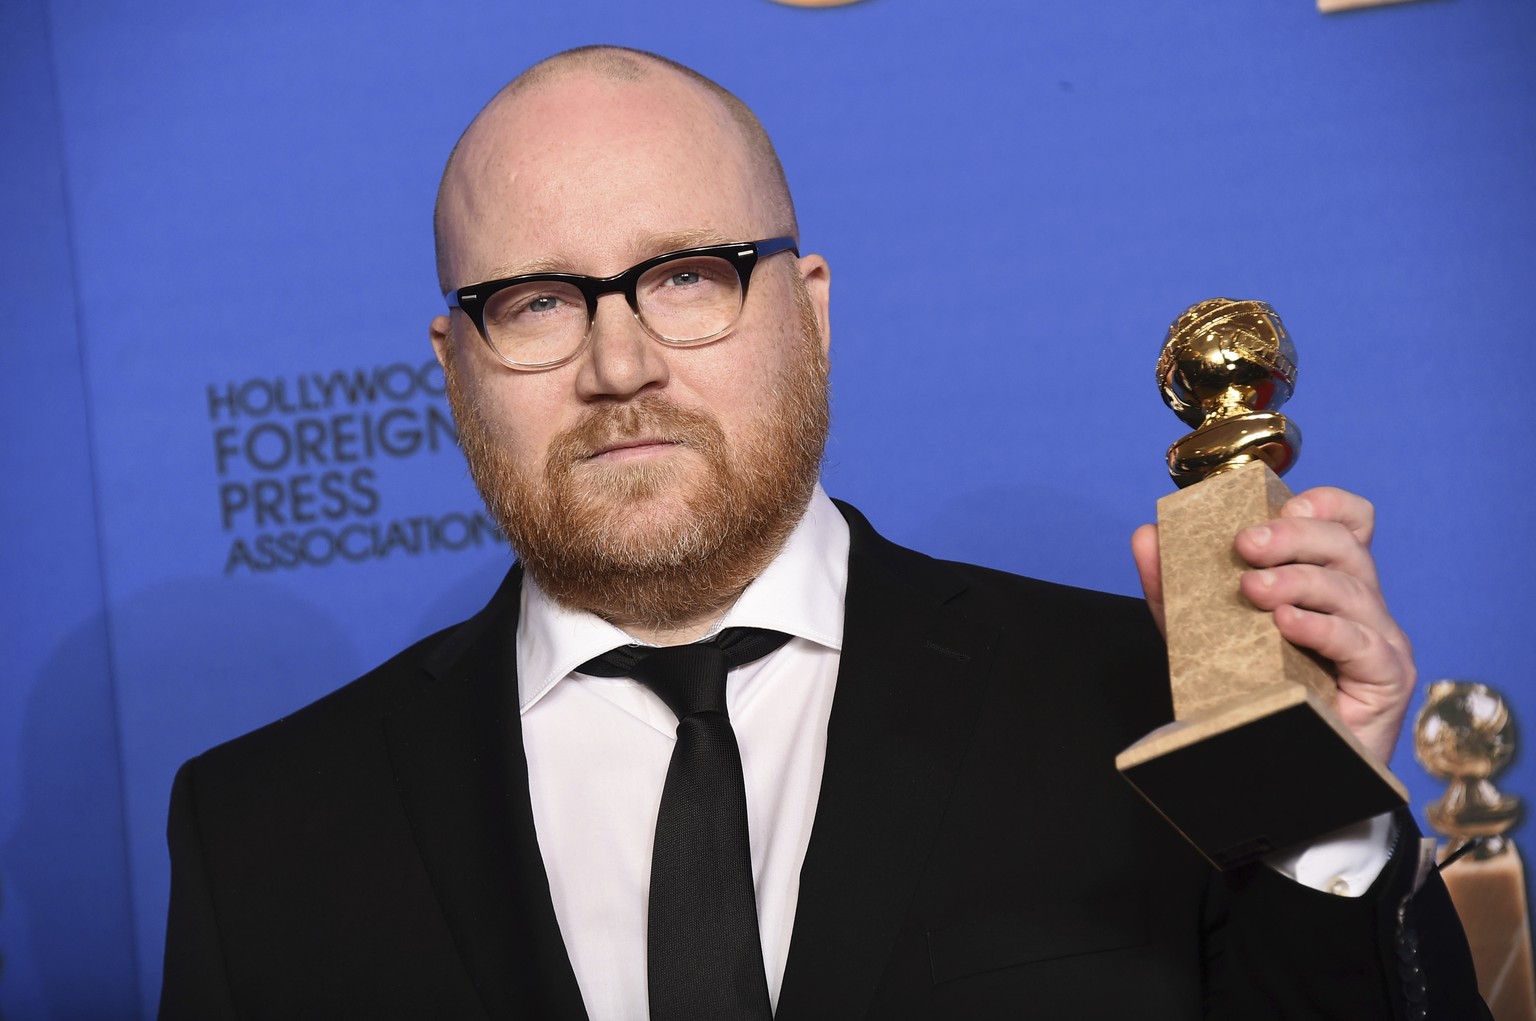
{"x": 636, "y": 355}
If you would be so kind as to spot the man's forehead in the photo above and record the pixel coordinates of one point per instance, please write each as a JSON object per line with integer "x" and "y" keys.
{"x": 564, "y": 129}
{"x": 575, "y": 99}
{"x": 593, "y": 146}
{"x": 650, "y": 169}
{"x": 640, "y": 246}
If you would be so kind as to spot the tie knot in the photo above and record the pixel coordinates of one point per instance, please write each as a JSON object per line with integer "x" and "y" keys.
{"x": 690, "y": 679}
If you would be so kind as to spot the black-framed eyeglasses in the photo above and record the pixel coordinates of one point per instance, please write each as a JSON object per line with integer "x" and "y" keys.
{"x": 541, "y": 320}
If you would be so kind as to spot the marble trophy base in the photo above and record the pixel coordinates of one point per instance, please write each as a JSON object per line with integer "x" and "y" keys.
{"x": 1256, "y": 759}
{"x": 1489, "y": 895}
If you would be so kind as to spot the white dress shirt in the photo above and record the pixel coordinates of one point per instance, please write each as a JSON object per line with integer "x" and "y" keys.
{"x": 598, "y": 750}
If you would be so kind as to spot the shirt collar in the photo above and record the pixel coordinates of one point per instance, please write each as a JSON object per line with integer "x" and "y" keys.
{"x": 801, "y": 593}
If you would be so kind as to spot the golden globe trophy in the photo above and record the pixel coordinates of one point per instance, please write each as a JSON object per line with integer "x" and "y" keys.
{"x": 1256, "y": 758}
{"x": 1465, "y": 734}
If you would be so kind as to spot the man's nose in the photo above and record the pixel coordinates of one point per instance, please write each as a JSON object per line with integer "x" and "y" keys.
{"x": 621, "y": 359}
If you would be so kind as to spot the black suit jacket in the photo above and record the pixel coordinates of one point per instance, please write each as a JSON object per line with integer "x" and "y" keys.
{"x": 975, "y": 854}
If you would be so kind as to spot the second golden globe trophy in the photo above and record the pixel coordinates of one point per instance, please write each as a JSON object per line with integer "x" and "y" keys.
{"x": 1256, "y": 758}
{"x": 1465, "y": 734}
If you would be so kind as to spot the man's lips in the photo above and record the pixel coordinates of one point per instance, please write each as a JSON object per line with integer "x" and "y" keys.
{"x": 629, "y": 449}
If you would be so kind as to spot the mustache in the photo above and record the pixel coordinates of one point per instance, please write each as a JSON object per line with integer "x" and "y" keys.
{"x": 651, "y": 416}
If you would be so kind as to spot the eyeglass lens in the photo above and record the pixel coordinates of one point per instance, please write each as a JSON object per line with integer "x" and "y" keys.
{"x": 684, "y": 300}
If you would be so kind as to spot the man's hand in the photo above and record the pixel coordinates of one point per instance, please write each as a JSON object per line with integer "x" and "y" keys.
{"x": 1314, "y": 572}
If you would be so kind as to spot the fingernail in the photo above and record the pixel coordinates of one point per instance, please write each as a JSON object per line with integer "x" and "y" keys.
{"x": 1260, "y": 536}
{"x": 1302, "y": 508}
{"x": 1266, "y": 579}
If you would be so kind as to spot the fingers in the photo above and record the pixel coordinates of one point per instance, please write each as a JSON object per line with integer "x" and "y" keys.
{"x": 1337, "y": 615}
{"x": 1314, "y": 557}
{"x": 1321, "y": 589}
{"x": 1329, "y": 503}
{"x": 1315, "y": 573}
{"x": 1144, "y": 549}
{"x": 1296, "y": 538}
{"x": 1376, "y": 674}
{"x": 1363, "y": 654}
{"x": 1328, "y": 604}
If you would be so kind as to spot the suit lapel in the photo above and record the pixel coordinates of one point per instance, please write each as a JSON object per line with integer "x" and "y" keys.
{"x": 912, "y": 674}
{"x": 908, "y": 690}
{"x": 456, "y": 746}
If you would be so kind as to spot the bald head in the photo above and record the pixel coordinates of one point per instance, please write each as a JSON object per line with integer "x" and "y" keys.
{"x": 619, "y": 68}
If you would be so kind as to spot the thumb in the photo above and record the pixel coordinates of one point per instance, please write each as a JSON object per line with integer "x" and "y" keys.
{"x": 1149, "y": 565}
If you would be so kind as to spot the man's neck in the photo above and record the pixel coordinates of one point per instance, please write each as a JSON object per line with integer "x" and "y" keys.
{"x": 678, "y": 633}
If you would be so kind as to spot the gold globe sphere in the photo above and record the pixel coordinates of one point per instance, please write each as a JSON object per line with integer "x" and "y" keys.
{"x": 1224, "y": 358}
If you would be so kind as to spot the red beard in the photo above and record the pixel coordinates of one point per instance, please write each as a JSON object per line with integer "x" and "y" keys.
{"x": 582, "y": 531}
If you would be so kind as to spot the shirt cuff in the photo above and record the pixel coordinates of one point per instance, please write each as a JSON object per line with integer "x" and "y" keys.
{"x": 1345, "y": 862}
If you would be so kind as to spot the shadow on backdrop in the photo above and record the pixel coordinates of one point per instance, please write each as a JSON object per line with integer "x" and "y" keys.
{"x": 64, "y": 866}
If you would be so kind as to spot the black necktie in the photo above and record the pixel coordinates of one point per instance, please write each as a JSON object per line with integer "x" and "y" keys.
{"x": 704, "y": 958}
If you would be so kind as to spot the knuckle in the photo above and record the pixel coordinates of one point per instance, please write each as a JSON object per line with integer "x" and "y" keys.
{"x": 1376, "y": 643}
{"x": 1359, "y": 592}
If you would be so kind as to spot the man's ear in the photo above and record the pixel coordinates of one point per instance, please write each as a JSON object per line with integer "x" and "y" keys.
{"x": 439, "y": 328}
{"x": 818, "y": 284}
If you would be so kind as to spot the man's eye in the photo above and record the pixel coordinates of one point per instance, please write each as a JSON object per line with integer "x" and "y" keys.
{"x": 684, "y": 278}
{"x": 539, "y": 303}
{"x": 516, "y": 307}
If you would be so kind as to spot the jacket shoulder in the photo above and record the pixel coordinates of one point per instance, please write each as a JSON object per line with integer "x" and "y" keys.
{"x": 331, "y": 726}
{"x": 994, "y": 595}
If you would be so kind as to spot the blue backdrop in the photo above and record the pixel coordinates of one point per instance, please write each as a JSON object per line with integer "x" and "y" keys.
{"x": 218, "y": 275}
